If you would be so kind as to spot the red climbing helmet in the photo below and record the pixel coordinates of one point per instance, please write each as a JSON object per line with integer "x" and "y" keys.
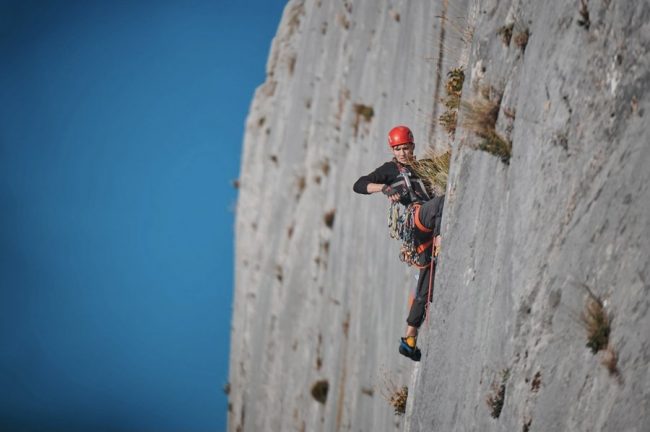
{"x": 400, "y": 135}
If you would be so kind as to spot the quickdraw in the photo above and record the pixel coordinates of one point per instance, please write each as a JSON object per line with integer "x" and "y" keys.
{"x": 401, "y": 226}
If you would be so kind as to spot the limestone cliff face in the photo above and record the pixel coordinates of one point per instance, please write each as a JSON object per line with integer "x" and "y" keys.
{"x": 320, "y": 294}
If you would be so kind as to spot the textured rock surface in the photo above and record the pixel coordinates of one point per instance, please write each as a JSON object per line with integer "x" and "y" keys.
{"x": 572, "y": 208}
{"x": 320, "y": 294}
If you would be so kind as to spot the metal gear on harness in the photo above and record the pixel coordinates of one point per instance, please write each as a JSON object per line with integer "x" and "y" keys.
{"x": 409, "y": 186}
{"x": 401, "y": 226}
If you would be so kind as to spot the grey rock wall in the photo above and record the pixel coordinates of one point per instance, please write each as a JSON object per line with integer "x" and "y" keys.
{"x": 320, "y": 294}
{"x": 522, "y": 241}
{"x": 317, "y": 302}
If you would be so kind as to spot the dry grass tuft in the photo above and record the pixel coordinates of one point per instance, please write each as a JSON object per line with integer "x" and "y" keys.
{"x": 398, "y": 400}
{"x": 448, "y": 120}
{"x": 394, "y": 395}
{"x": 451, "y": 103}
{"x": 454, "y": 84}
{"x": 495, "y": 144}
{"x": 434, "y": 170}
{"x": 480, "y": 117}
{"x": 459, "y": 27}
{"x": 454, "y": 87}
{"x": 596, "y": 322}
{"x": 497, "y": 396}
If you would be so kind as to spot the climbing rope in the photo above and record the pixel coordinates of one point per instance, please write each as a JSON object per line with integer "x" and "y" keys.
{"x": 432, "y": 271}
{"x": 401, "y": 226}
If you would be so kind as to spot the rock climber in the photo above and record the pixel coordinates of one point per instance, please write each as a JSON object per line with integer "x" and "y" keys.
{"x": 419, "y": 213}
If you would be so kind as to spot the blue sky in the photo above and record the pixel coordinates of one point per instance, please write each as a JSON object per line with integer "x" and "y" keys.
{"x": 121, "y": 126}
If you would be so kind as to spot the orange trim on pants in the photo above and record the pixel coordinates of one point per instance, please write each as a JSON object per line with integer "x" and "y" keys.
{"x": 417, "y": 221}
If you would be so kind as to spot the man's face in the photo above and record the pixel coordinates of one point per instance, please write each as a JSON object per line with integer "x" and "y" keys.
{"x": 404, "y": 153}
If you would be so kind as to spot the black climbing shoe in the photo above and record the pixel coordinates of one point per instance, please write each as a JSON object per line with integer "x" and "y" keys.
{"x": 412, "y": 353}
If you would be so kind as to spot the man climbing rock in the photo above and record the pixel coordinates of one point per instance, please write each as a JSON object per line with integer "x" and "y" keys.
{"x": 415, "y": 219}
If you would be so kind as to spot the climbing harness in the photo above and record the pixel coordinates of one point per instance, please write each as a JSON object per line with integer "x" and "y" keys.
{"x": 402, "y": 224}
{"x": 409, "y": 186}
{"x": 403, "y": 220}
{"x": 406, "y": 174}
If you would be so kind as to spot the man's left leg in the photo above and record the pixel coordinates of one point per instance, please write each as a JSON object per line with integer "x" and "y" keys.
{"x": 408, "y": 344}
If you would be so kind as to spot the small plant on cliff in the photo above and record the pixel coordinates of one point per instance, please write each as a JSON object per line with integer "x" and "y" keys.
{"x": 455, "y": 82}
{"x": 448, "y": 121}
{"x": 398, "y": 400}
{"x": 496, "y": 145}
{"x": 596, "y": 322}
{"x": 497, "y": 396}
{"x": 394, "y": 395}
{"x": 480, "y": 116}
{"x": 454, "y": 87}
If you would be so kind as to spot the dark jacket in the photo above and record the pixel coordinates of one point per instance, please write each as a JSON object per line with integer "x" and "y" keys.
{"x": 389, "y": 174}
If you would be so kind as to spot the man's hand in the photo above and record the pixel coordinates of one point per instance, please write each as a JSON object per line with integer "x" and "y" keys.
{"x": 391, "y": 193}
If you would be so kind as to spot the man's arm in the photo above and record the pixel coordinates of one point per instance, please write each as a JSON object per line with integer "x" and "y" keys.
{"x": 377, "y": 181}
